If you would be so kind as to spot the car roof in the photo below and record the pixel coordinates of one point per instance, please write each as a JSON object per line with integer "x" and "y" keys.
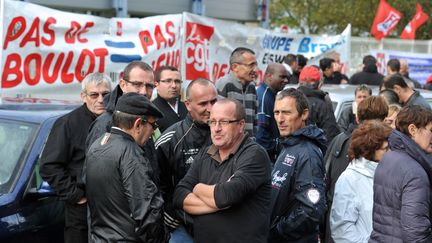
{"x": 31, "y": 115}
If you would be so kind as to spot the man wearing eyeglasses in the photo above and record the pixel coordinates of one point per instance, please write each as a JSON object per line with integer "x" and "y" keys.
{"x": 137, "y": 78}
{"x": 168, "y": 86}
{"x": 239, "y": 83}
{"x": 227, "y": 189}
{"x": 123, "y": 195}
{"x": 63, "y": 157}
{"x": 177, "y": 147}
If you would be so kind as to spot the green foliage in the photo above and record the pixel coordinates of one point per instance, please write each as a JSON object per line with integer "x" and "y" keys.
{"x": 332, "y": 16}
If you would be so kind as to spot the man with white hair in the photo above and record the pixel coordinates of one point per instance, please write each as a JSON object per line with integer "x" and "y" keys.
{"x": 63, "y": 158}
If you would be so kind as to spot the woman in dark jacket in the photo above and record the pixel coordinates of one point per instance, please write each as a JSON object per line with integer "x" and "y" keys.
{"x": 402, "y": 192}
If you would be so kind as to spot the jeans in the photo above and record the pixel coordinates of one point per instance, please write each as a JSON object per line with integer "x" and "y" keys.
{"x": 180, "y": 235}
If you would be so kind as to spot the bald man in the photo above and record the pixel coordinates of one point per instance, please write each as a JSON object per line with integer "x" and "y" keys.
{"x": 275, "y": 78}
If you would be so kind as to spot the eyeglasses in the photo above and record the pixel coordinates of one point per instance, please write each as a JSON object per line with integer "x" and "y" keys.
{"x": 222, "y": 123}
{"x": 170, "y": 81}
{"x": 140, "y": 85}
{"x": 153, "y": 124}
{"x": 95, "y": 95}
{"x": 249, "y": 66}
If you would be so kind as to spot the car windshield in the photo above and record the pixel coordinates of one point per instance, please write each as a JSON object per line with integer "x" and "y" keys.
{"x": 15, "y": 140}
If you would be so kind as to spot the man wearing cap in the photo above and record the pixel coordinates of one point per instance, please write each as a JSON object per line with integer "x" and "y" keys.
{"x": 320, "y": 107}
{"x": 63, "y": 157}
{"x": 124, "y": 200}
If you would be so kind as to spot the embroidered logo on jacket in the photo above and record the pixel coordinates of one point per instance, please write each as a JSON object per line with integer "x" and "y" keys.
{"x": 313, "y": 195}
{"x": 278, "y": 180}
{"x": 289, "y": 160}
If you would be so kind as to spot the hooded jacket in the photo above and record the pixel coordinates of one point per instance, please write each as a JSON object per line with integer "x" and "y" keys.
{"x": 298, "y": 190}
{"x": 402, "y": 193}
{"x": 175, "y": 150}
{"x": 321, "y": 111}
{"x": 351, "y": 211}
{"x": 369, "y": 76}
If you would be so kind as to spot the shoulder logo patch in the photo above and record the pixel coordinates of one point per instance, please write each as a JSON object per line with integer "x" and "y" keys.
{"x": 313, "y": 195}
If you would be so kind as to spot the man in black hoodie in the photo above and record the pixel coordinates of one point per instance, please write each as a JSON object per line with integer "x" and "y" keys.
{"x": 320, "y": 107}
{"x": 369, "y": 75}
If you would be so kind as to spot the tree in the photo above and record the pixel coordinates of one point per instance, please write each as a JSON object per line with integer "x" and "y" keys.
{"x": 332, "y": 16}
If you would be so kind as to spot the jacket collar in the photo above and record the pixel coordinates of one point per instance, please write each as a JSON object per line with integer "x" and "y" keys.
{"x": 363, "y": 166}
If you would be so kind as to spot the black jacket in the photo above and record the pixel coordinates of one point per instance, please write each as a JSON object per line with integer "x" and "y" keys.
{"x": 242, "y": 192}
{"x": 175, "y": 150}
{"x": 124, "y": 200}
{"x": 369, "y": 76}
{"x": 170, "y": 117}
{"x": 321, "y": 112}
{"x": 346, "y": 118}
{"x": 402, "y": 193}
{"x": 64, "y": 154}
{"x": 298, "y": 189}
{"x": 336, "y": 161}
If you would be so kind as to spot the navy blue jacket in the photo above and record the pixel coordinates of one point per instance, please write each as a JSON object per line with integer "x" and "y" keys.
{"x": 402, "y": 193}
{"x": 298, "y": 190}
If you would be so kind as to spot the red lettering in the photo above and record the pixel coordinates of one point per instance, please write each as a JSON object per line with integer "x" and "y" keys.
{"x": 50, "y": 32}
{"x": 65, "y": 76}
{"x": 55, "y": 71}
{"x": 159, "y": 37}
{"x": 168, "y": 26}
{"x": 34, "y": 29}
{"x": 79, "y": 74}
{"x": 83, "y": 31}
{"x": 12, "y": 32}
{"x": 101, "y": 53}
{"x": 10, "y": 69}
{"x": 36, "y": 58}
{"x": 72, "y": 32}
{"x": 146, "y": 40}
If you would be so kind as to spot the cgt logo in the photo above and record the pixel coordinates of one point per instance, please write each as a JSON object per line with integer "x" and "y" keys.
{"x": 197, "y": 50}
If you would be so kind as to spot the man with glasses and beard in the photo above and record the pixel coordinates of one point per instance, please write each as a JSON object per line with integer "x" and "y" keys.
{"x": 64, "y": 154}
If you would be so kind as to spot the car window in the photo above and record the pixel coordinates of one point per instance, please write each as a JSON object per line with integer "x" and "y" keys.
{"x": 15, "y": 140}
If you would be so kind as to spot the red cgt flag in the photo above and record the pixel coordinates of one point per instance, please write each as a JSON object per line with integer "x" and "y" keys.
{"x": 419, "y": 18}
{"x": 385, "y": 20}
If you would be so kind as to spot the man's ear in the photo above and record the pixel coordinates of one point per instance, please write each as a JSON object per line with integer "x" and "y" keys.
{"x": 82, "y": 95}
{"x": 137, "y": 124}
{"x": 122, "y": 84}
{"x": 412, "y": 130}
{"x": 305, "y": 115}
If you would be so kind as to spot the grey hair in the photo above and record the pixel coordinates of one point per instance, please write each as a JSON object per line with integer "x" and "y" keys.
{"x": 96, "y": 79}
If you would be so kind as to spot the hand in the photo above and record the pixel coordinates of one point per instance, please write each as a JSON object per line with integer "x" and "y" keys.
{"x": 82, "y": 200}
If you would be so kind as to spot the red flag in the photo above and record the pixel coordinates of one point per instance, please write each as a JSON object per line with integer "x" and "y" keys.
{"x": 419, "y": 18}
{"x": 385, "y": 20}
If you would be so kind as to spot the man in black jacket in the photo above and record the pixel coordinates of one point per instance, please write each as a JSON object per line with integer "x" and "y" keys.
{"x": 168, "y": 86}
{"x": 177, "y": 147}
{"x": 369, "y": 74}
{"x": 63, "y": 157}
{"x": 320, "y": 107}
{"x": 227, "y": 188}
{"x": 123, "y": 197}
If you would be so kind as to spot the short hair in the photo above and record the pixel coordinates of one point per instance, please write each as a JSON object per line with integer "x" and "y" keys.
{"x": 301, "y": 101}
{"x": 394, "y": 65}
{"x": 301, "y": 60}
{"x": 363, "y": 87}
{"x": 96, "y": 79}
{"x": 415, "y": 114}
{"x": 200, "y": 81}
{"x": 394, "y": 108}
{"x": 393, "y": 80}
{"x": 367, "y": 139}
{"x": 325, "y": 63}
{"x": 124, "y": 120}
{"x": 369, "y": 60}
{"x": 163, "y": 68}
{"x": 237, "y": 54}
{"x": 139, "y": 64}
{"x": 391, "y": 96}
{"x": 239, "y": 108}
{"x": 372, "y": 108}
{"x": 290, "y": 59}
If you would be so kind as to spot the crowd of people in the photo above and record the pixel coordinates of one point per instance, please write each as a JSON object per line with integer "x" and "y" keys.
{"x": 232, "y": 162}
